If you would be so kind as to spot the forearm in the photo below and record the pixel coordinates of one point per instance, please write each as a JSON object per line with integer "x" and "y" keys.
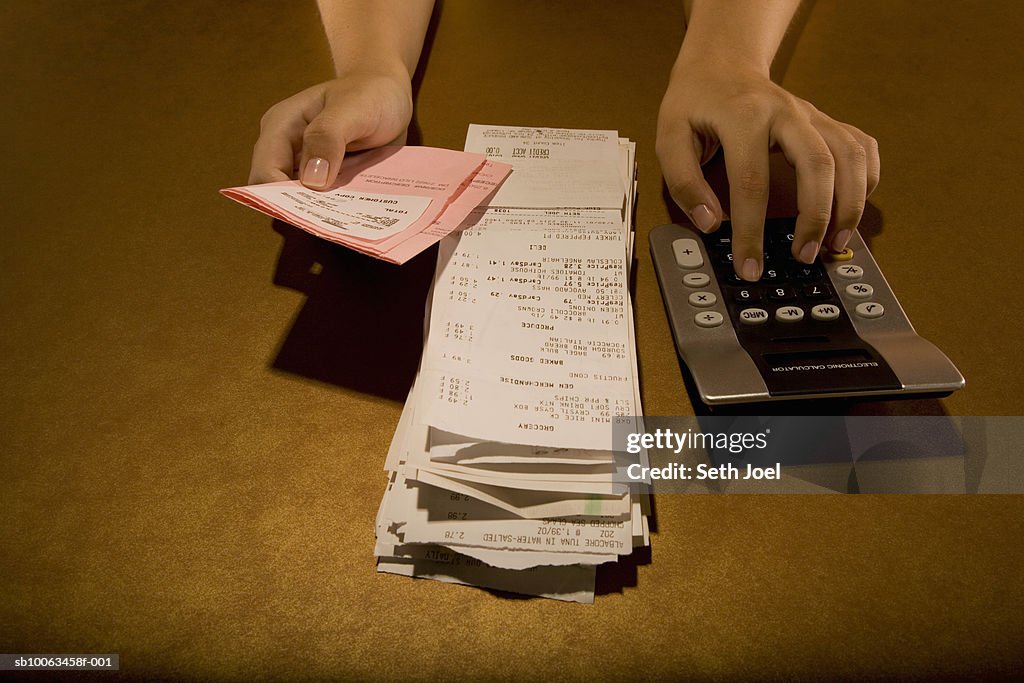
{"x": 378, "y": 36}
{"x": 743, "y": 34}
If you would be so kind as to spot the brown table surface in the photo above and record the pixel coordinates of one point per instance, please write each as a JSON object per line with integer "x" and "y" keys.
{"x": 195, "y": 416}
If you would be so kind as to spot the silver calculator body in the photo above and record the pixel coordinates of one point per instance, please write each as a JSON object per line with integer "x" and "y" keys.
{"x": 832, "y": 329}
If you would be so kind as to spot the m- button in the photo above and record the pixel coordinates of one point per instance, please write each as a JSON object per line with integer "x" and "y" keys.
{"x": 687, "y": 253}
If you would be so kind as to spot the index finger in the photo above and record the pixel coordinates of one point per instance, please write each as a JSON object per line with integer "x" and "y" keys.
{"x": 747, "y": 166}
{"x": 273, "y": 155}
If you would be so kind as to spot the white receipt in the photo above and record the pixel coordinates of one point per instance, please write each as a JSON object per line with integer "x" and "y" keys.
{"x": 553, "y": 167}
{"x": 531, "y": 347}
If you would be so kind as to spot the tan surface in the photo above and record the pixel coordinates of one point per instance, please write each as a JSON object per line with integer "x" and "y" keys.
{"x": 191, "y": 454}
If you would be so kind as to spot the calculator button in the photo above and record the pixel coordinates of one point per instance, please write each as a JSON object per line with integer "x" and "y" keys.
{"x": 870, "y": 309}
{"x": 850, "y": 272}
{"x": 817, "y": 292}
{"x": 806, "y": 273}
{"x": 708, "y": 319}
{"x": 781, "y": 293}
{"x": 844, "y": 255}
{"x": 825, "y": 312}
{"x": 687, "y": 253}
{"x": 703, "y": 299}
{"x": 720, "y": 240}
{"x": 771, "y": 275}
{"x": 783, "y": 238}
{"x": 744, "y": 296}
{"x": 724, "y": 257}
{"x": 789, "y": 314}
{"x": 753, "y": 316}
{"x": 734, "y": 279}
{"x": 696, "y": 279}
{"x": 860, "y": 290}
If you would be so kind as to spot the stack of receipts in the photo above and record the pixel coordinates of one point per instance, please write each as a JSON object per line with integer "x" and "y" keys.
{"x": 501, "y": 473}
{"x": 390, "y": 203}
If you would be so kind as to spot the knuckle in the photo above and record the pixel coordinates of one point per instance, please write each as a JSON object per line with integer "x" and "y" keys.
{"x": 753, "y": 182}
{"x": 821, "y": 162}
{"x": 818, "y": 217}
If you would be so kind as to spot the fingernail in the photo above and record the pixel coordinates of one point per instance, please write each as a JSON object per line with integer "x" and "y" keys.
{"x": 315, "y": 173}
{"x": 751, "y": 270}
{"x": 702, "y": 218}
{"x": 809, "y": 252}
{"x": 840, "y": 240}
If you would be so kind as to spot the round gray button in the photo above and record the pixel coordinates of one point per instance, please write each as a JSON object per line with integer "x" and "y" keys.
{"x": 696, "y": 279}
{"x": 870, "y": 309}
{"x": 849, "y": 271}
{"x": 708, "y": 319}
{"x": 789, "y": 314}
{"x": 753, "y": 316}
{"x": 703, "y": 299}
{"x": 825, "y": 312}
{"x": 860, "y": 290}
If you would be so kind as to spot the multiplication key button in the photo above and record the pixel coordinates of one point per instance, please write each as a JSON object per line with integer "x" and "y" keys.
{"x": 703, "y": 299}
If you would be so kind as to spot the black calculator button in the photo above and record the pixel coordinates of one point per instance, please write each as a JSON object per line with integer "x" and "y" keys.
{"x": 724, "y": 257}
{"x": 817, "y": 292}
{"x": 771, "y": 275}
{"x": 781, "y": 238}
{"x": 805, "y": 273}
{"x": 734, "y": 279}
{"x": 720, "y": 241}
{"x": 781, "y": 293}
{"x": 747, "y": 295}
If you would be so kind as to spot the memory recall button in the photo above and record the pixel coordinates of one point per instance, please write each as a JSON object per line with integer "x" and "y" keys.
{"x": 687, "y": 253}
{"x": 753, "y": 316}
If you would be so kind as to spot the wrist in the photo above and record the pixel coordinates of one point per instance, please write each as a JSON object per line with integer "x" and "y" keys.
{"x": 727, "y": 60}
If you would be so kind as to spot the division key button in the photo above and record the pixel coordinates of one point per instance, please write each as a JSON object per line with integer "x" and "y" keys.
{"x": 708, "y": 319}
{"x": 687, "y": 253}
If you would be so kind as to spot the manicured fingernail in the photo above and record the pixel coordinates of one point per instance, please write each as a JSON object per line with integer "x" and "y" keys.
{"x": 751, "y": 270}
{"x": 315, "y": 173}
{"x": 840, "y": 240}
{"x": 809, "y": 252}
{"x": 702, "y": 218}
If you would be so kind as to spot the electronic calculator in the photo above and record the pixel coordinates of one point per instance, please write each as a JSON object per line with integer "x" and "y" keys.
{"x": 829, "y": 329}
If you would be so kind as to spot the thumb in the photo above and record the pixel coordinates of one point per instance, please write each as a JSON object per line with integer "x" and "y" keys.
{"x": 323, "y": 147}
{"x": 680, "y": 155}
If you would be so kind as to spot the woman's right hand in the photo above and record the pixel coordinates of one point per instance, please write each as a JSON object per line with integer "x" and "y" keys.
{"x": 308, "y": 133}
